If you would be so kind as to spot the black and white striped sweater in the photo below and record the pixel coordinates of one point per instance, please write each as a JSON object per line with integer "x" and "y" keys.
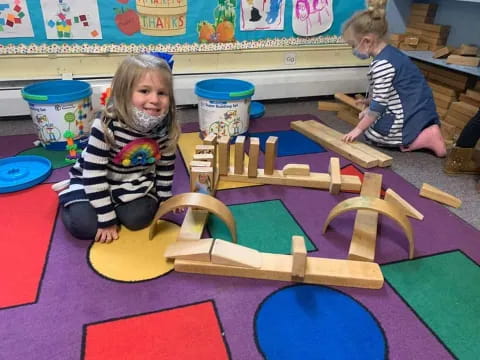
{"x": 135, "y": 167}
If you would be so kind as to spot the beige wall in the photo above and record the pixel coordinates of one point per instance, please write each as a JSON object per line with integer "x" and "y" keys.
{"x": 28, "y": 67}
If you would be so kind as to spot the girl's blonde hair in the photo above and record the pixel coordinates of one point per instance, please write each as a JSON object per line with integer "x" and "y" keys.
{"x": 119, "y": 106}
{"x": 370, "y": 21}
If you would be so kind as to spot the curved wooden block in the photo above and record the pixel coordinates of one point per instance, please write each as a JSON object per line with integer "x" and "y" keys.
{"x": 378, "y": 205}
{"x": 196, "y": 200}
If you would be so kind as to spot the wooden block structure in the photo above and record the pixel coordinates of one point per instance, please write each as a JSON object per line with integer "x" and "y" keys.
{"x": 270, "y": 154}
{"x": 431, "y": 192}
{"x": 253, "y": 155}
{"x": 346, "y": 108}
{"x": 234, "y": 260}
{"x": 239, "y": 166}
{"x": 329, "y": 138}
{"x": 364, "y": 238}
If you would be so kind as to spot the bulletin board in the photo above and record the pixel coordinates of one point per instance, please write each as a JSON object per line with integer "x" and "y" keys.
{"x": 177, "y": 26}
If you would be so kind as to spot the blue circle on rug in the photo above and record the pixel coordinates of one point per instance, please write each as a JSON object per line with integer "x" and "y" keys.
{"x": 317, "y": 322}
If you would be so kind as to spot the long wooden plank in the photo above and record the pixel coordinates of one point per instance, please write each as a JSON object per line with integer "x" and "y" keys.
{"x": 384, "y": 160}
{"x": 314, "y": 180}
{"x": 337, "y": 145}
{"x": 364, "y": 238}
{"x": 334, "y": 272}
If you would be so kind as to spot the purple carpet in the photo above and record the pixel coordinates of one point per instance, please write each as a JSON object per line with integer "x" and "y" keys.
{"x": 72, "y": 295}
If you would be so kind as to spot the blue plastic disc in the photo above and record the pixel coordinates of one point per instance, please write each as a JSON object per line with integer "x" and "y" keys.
{"x": 22, "y": 172}
{"x": 256, "y": 110}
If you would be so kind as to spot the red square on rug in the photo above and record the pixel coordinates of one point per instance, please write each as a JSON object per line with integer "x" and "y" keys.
{"x": 188, "y": 332}
{"x": 28, "y": 218}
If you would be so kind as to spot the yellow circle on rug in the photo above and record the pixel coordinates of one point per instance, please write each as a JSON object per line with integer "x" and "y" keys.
{"x": 133, "y": 257}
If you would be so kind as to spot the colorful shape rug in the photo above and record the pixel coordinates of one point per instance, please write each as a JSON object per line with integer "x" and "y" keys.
{"x": 62, "y": 298}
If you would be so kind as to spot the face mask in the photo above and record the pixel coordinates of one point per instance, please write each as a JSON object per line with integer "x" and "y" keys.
{"x": 145, "y": 122}
{"x": 359, "y": 54}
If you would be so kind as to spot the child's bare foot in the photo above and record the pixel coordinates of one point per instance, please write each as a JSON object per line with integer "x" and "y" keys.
{"x": 430, "y": 138}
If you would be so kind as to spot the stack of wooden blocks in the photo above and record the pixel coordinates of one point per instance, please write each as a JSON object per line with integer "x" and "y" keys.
{"x": 421, "y": 32}
{"x": 466, "y": 55}
{"x": 346, "y": 108}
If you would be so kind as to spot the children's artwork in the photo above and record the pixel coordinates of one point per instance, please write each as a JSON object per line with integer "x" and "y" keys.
{"x": 15, "y": 19}
{"x": 262, "y": 14}
{"x": 71, "y": 19}
{"x": 223, "y": 28}
{"x": 312, "y": 17}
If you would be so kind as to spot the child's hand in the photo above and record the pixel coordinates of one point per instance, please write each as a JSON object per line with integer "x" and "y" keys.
{"x": 352, "y": 135}
{"x": 107, "y": 235}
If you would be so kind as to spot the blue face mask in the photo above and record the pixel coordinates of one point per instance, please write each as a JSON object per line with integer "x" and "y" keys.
{"x": 360, "y": 55}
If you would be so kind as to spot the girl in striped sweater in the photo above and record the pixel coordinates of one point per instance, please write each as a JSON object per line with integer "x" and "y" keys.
{"x": 127, "y": 168}
{"x": 401, "y": 112}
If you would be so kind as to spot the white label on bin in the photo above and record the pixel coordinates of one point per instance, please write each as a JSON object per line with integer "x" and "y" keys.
{"x": 223, "y": 117}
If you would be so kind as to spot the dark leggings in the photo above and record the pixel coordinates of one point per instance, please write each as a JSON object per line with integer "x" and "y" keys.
{"x": 80, "y": 218}
{"x": 471, "y": 133}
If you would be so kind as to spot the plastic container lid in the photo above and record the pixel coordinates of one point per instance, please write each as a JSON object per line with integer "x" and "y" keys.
{"x": 256, "y": 110}
{"x": 224, "y": 89}
{"x": 56, "y": 91}
{"x": 22, "y": 172}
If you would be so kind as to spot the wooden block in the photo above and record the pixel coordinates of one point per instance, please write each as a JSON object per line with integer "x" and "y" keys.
{"x": 412, "y": 40}
{"x": 270, "y": 154}
{"x": 421, "y": 46}
{"x": 442, "y": 89}
{"x": 397, "y": 37}
{"x": 464, "y": 108}
{"x": 333, "y": 272}
{"x": 198, "y": 163}
{"x": 420, "y": 18}
{"x": 350, "y": 101}
{"x": 405, "y": 46}
{"x": 204, "y": 149}
{"x": 193, "y": 224}
{"x": 443, "y": 97}
{"x": 224, "y": 155}
{"x": 461, "y": 117}
{"x": 477, "y": 85}
{"x": 433, "y": 28}
{"x": 395, "y": 199}
{"x": 454, "y": 84}
{"x": 198, "y": 250}
{"x": 442, "y": 52}
{"x": 299, "y": 255}
{"x": 330, "y": 106}
{"x": 364, "y": 238}
{"x": 314, "y": 180}
{"x": 473, "y": 94}
{"x": 463, "y": 60}
{"x": 335, "y": 175}
{"x": 253, "y": 154}
{"x": 383, "y": 159}
{"x": 203, "y": 157}
{"x": 349, "y": 117}
{"x": 459, "y": 124}
{"x": 335, "y": 144}
{"x": 239, "y": 163}
{"x": 201, "y": 180}
{"x": 210, "y": 139}
{"x": 227, "y": 253}
{"x": 467, "y": 99}
{"x": 424, "y": 7}
{"x": 468, "y": 50}
{"x": 296, "y": 169}
{"x": 431, "y": 192}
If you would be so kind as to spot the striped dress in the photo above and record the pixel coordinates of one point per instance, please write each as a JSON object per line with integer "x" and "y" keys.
{"x": 401, "y": 97}
{"x": 108, "y": 175}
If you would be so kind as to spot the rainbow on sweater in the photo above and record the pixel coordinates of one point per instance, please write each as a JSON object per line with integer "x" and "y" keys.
{"x": 138, "y": 152}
